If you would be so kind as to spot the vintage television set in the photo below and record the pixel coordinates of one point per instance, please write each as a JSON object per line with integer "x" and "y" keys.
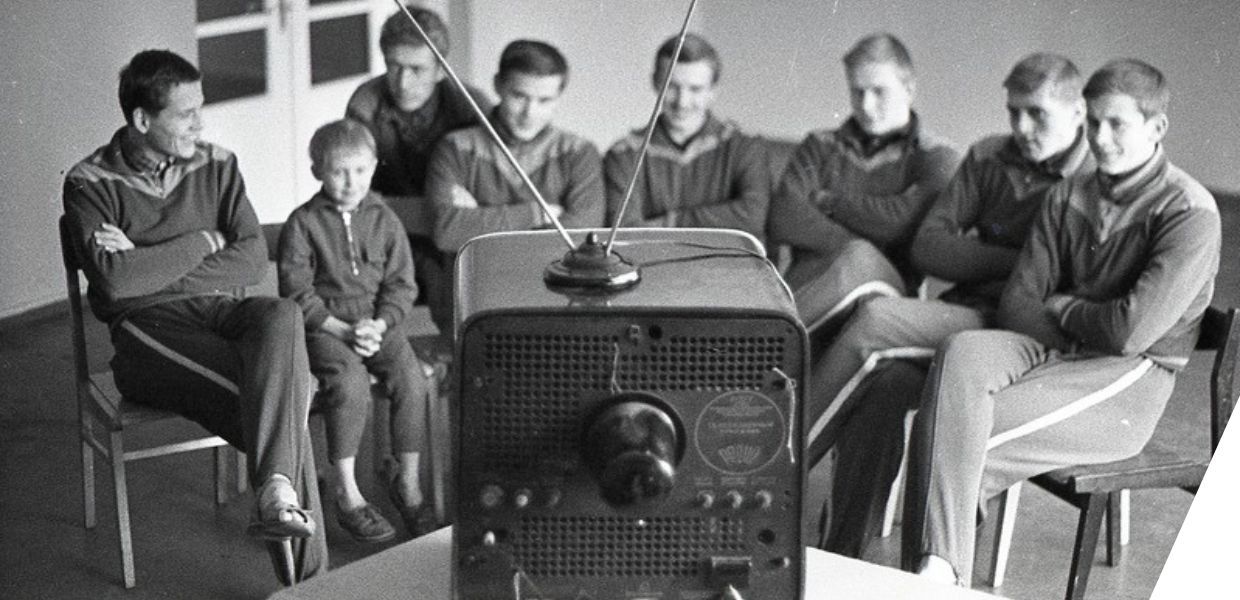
{"x": 633, "y": 444}
{"x": 627, "y": 417}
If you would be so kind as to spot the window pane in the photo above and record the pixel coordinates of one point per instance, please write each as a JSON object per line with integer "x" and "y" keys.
{"x": 233, "y": 65}
{"x": 209, "y": 10}
{"x": 339, "y": 48}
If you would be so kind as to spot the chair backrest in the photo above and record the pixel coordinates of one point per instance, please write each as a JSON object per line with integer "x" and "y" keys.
{"x": 73, "y": 288}
{"x": 1220, "y": 332}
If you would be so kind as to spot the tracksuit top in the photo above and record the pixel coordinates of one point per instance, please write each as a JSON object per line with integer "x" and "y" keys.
{"x": 843, "y": 183}
{"x": 1137, "y": 256}
{"x": 350, "y": 265}
{"x": 406, "y": 139}
{"x": 166, "y": 210}
{"x": 977, "y": 226}
{"x": 563, "y": 166}
{"x": 717, "y": 179}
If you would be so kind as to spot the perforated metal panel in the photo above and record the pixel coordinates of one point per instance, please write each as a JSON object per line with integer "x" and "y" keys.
{"x": 535, "y": 414}
{"x": 619, "y": 547}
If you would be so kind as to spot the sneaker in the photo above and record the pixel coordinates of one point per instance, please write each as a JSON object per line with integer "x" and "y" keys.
{"x": 366, "y": 524}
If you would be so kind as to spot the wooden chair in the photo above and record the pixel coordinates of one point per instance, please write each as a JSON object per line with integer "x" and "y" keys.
{"x": 104, "y": 417}
{"x": 1099, "y": 490}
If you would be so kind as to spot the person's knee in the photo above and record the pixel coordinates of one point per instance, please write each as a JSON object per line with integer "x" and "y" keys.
{"x": 967, "y": 348}
{"x": 348, "y": 385}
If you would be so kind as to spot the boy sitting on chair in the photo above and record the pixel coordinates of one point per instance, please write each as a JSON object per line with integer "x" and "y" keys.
{"x": 1101, "y": 311}
{"x": 344, "y": 257}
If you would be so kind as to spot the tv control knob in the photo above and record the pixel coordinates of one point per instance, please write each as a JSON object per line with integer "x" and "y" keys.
{"x": 491, "y": 496}
{"x": 522, "y": 497}
{"x": 705, "y": 499}
{"x": 764, "y": 498}
{"x": 733, "y": 499}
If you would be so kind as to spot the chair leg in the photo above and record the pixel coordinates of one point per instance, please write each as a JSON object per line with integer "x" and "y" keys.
{"x": 1090, "y": 525}
{"x": 243, "y": 476}
{"x": 380, "y": 429}
{"x": 88, "y": 485}
{"x": 117, "y": 452}
{"x": 893, "y": 498}
{"x": 290, "y": 575}
{"x": 897, "y": 486}
{"x": 1117, "y": 526}
{"x": 1001, "y": 543}
{"x": 220, "y": 456}
{"x": 433, "y": 455}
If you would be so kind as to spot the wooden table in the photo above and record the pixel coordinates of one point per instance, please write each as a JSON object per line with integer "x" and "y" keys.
{"x": 419, "y": 570}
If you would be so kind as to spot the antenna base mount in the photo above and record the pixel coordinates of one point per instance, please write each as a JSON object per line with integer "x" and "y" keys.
{"x": 589, "y": 267}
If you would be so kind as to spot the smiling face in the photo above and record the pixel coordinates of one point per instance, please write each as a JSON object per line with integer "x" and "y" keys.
{"x": 881, "y": 94}
{"x": 1121, "y": 136}
{"x": 1043, "y": 124}
{"x": 527, "y": 102}
{"x": 412, "y": 73}
{"x": 176, "y": 129}
{"x": 346, "y": 174}
{"x": 690, "y": 94}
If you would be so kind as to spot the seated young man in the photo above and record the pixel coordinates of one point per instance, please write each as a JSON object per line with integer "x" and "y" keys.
{"x": 344, "y": 258}
{"x": 475, "y": 188}
{"x": 1102, "y": 311}
{"x": 850, "y": 199}
{"x": 409, "y": 109}
{"x": 700, "y": 171}
{"x": 872, "y": 374}
{"x": 168, "y": 241}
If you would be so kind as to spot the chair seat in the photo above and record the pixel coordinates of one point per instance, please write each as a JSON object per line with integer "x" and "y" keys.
{"x": 1156, "y": 466}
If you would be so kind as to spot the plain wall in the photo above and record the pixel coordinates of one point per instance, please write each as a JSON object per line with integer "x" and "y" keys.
{"x": 781, "y": 77}
{"x": 782, "y": 74}
{"x": 58, "y": 68}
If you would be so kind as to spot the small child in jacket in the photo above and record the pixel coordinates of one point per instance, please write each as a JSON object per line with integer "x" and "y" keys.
{"x": 345, "y": 258}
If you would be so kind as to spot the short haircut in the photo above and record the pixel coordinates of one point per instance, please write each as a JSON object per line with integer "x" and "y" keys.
{"x": 1049, "y": 70}
{"x": 532, "y": 57}
{"x": 879, "y": 48}
{"x": 147, "y": 79}
{"x": 398, "y": 31}
{"x": 695, "y": 49}
{"x": 1134, "y": 78}
{"x": 344, "y": 134}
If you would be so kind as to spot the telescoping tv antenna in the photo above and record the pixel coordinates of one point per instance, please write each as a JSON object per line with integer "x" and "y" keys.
{"x": 592, "y": 266}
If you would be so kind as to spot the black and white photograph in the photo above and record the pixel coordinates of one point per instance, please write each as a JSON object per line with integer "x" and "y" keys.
{"x": 619, "y": 299}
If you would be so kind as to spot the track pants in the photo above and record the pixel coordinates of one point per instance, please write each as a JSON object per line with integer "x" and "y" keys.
{"x": 344, "y": 391}
{"x": 998, "y": 408}
{"x": 828, "y": 286}
{"x": 879, "y": 331}
{"x": 869, "y": 450}
{"x": 238, "y": 367}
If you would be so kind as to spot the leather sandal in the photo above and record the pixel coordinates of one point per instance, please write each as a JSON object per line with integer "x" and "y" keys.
{"x": 299, "y": 523}
{"x": 276, "y": 518}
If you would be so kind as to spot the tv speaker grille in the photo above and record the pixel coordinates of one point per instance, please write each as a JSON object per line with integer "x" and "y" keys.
{"x": 536, "y": 413}
{"x": 622, "y": 547}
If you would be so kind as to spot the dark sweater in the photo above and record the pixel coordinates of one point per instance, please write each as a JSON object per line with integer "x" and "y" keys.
{"x": 355, "y": 270}
{"x": 717, "y": 179}
{"x": 405, "y": 140}
{"x": 977, "y": 226}
{"x": 838, "y": 187}
{"x": 1136, "y": 258}
{"x": 563, "y": 166}
{"x": 165, "y": 216}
